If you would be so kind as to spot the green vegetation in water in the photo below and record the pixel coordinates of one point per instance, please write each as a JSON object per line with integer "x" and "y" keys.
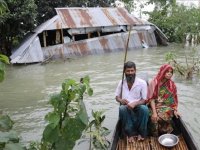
{"x": 66, "y": 122}
{"x": 186, "y": 69}
{"x": 97, "y": 132}
{"x": 9, "y": 139}
{"x": 68, "y": 118}
{"x": 3, "y": 60}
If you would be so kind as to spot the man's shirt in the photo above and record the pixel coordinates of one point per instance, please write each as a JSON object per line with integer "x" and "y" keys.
{"x": 137, "y": 92}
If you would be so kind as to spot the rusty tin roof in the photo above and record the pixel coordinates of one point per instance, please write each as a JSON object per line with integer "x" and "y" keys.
{"x": 75, "y": 17}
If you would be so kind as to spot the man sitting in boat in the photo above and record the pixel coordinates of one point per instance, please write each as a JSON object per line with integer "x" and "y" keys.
{"x": 131, "y": 93}
{"x": 162, "y": 96}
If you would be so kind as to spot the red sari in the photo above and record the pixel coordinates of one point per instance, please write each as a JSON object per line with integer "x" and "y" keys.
{"x": 165, "y": 97}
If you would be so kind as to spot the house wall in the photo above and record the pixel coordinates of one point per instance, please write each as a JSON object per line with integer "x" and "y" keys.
{"x": 99, "y": 45}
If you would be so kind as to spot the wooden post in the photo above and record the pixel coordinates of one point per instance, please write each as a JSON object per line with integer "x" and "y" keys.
{"x": 62, "y": 38}
{"x": 89, "y": 35}
{"x": 44, "y": 39}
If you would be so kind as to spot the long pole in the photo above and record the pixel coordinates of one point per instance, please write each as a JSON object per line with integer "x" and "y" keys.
{"x": 129, "y": 33}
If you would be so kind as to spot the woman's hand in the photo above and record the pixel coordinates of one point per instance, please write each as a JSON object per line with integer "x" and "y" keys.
{"x": 176, "y": 114}
{"x": 154, "y": 117}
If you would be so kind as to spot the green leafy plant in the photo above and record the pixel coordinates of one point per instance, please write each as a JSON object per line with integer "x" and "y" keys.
{"x": 3, "y": 60}
{"x": 3, "y": 7}
{"x": 97, "y": 132}
{"x": 8, "y": 138}
{"x": 187, "y": 69}
{"x": 68, "y": 118}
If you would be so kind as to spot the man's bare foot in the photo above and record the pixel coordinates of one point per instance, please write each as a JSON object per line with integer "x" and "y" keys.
{"x": 140, "y": 138}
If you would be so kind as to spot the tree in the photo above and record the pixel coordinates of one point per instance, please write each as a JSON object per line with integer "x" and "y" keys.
{"x": 16, "y": 23}
{"x": 3, "y": 11}
{"x": 162, "y": 3}
{"x": 129, "y": 4}
{"x": 177, "y": 22}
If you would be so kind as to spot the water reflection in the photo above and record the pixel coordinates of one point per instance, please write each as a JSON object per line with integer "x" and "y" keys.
{"x": 25, "y": 92}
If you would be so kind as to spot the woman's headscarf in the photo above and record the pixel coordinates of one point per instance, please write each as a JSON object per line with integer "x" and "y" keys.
{"x": 155, "y": 84}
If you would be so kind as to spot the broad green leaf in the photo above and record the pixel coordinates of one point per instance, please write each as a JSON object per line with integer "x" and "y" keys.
{"x": 58, "y": 103}
{"x": 62, "y": 144}
{"x": 102, "y": 118}
{"x": 53, "y": 119}
{"x": 9, "y": 136}
{"x": 90, "y": 91}
{"x": 50, "y": 133}
{"x": 72, "y": 95}
{"x": 13, "y": 146}
{"x": 4, "y": 59}
{"x": 82, "y": 89}
{"x": 86, "y": 80}
{"x": 55, "y": 99}
{"x": 83, "y": 113}
{"x": 2, "y": 74}
{"x": 5, "y": 123}
{"x": 72, "y": 131}
{"x": 2, "y": 66}
{"x": 69, "y": 85}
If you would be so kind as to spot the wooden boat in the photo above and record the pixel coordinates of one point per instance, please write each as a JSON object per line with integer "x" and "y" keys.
{"x": 186, "y": 141}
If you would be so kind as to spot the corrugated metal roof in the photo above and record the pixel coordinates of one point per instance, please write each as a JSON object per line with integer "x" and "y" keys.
{"x": 95, "y": 17}
{"x": 51, "y": 24}
{"x": 29, "y": 52}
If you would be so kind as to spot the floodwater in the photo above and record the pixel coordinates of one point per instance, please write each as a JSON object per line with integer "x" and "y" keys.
{"x": 25, "y": 91}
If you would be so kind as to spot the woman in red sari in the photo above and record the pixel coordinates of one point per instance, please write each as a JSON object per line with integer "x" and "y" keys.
{"x": 162, "y": 97}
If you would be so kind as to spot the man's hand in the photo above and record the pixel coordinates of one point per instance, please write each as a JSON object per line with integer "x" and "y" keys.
{"x": 132, "y": 105}
{"x": 124, "y": 101}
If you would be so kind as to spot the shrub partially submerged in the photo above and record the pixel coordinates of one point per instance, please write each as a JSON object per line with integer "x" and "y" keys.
{"x": 187, "y": 67}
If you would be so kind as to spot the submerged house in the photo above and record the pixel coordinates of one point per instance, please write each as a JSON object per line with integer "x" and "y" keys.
{"x": 86, "y": 31}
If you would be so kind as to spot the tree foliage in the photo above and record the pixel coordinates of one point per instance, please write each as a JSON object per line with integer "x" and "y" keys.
{"x": 176, "y": 21}
{"x": 17, "y": 22}
{"x": 3, "y": 7}
{"x": 161, "y": 3}
{"x": 3, "y": 60}
{"x": 3, "y": 11}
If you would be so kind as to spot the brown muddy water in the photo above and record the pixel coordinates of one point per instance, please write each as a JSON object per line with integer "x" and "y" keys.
{"x": 26, "y": 90}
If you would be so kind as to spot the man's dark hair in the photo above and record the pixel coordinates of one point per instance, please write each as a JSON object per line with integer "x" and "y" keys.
{"x": 129, "y": 64}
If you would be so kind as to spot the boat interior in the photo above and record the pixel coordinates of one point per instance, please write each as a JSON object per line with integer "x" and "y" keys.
{"x": 152, "y": 143}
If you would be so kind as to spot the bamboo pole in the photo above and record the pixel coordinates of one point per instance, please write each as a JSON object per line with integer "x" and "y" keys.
{"x": 125, "y": 60}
